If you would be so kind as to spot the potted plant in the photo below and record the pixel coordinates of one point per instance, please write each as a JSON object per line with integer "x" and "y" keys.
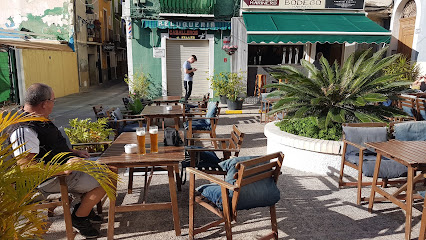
{"x": 140, "y": 90}
{"x": 18, "y": 185}
{"x": 219, "y": 83}
{"x": 337, "y": 94}
{"x": 235, "y": 91}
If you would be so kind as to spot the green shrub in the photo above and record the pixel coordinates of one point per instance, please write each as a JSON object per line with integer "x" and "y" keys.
{"x": 86, "y": 131}
{"x": 308, "y": 127}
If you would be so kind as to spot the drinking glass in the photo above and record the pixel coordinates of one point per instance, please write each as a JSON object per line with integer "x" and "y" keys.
{"x": 140, "y": 133}
{"x": 153, "y": 134}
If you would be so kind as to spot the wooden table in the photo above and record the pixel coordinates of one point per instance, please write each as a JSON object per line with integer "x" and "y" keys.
{"x": 167, "y": 156}
{"x": 267, "y": 102}
{"x": 151, "y": 112}
{"x": 167, "y": 100}
{"x": 411, "y": 154}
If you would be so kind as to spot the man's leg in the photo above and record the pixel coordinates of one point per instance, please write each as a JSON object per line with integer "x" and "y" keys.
{"x": 189, "y": 89}
{"x": 185, "y": 85}
{"x": 89, "y": 200}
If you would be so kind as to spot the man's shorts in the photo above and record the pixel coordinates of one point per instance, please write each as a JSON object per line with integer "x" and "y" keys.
{"x": 78, "y": 182}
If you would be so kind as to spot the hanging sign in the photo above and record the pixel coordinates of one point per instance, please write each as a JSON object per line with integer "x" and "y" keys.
{"x": 187, "y": 34}
{"x": 303, "y": 4}
{"x": 108, "y": 47}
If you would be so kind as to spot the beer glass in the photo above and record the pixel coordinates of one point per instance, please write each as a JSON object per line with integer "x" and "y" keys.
{"x": 153, "y": 134}
{"x": 140, "y": 133}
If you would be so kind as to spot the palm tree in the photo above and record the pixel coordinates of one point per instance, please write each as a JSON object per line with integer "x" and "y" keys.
{"x": 347, "y": 93}
{"x": 18, "y": 185}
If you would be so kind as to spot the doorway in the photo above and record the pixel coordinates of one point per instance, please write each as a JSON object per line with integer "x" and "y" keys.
{"x": 331, "y": 52}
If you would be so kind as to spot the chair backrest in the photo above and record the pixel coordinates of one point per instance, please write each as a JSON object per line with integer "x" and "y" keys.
{"x": 99, "y": 111}
{"x": 237, "y": 138}
{"x": 255, "y": 170}
{"x": 213, "y": 110}
{"x": 360, "y": 133}
{"x": 406, "y": 103}
{"x": 421, "y": 108}
{"x": 410, "y": 131}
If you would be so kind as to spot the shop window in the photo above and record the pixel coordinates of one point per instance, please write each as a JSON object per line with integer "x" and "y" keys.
{"x": 275, "y": 54}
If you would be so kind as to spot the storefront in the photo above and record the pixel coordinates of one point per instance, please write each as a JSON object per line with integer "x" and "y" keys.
{"x": 284, "y": 32}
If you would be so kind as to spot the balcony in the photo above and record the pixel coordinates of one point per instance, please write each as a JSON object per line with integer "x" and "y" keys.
{"x": 94, "y": 32}
{"x": 176, "y": 7}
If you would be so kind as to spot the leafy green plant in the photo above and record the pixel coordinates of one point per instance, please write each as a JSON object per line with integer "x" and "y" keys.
{"x": 136, "y": 106}
{"x": 86, "y": 131}
{"x": 18, "y": 185}
{"x": 348, "y": 93}
{"x": 308, "y": 127}
{"x": 138, "y": 87}
{"x": 409, "y": 71}
{"x": 219, "y": 83}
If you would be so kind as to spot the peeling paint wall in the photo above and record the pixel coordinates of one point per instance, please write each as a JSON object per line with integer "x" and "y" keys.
{"x": 53, "y": 17}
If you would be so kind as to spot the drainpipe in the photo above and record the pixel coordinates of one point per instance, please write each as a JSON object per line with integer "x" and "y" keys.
{"x": 129, "y": 33}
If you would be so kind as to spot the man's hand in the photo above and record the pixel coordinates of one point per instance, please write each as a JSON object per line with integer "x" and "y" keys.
{"x": 194, "y": 69}
{"x": 71, "y": 161}
{"x": 81, "y": 153}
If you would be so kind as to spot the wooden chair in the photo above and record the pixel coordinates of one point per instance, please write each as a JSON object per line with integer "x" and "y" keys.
{"x": 197, "y": 117}
{"x": 99, "y": 111}
{"x": 64, "y": 201}
{"x": 260, "y": 82}
{"x": 123, "y": 122}
{"x": 363, "y": 155}
{"x": 227, "y": 146}
{"x": 248, "y": 172}
{"x": 421, "y": 108}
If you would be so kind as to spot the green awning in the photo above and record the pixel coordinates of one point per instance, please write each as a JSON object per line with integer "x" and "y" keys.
{"x": 295, "y": 27}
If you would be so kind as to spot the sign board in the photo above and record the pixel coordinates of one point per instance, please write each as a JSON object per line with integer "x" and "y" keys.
{"x": 303, "y": 4}
{"x": 158, "y": 52}
{"x": 108, "y": 47}
{"x": 187, "y": 34}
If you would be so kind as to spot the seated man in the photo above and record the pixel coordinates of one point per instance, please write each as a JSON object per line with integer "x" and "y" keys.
{"x": 44, "y": 137}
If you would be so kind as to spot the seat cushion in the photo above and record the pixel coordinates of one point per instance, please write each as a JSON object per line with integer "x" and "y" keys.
{"x": 258, "y": 194}
{"x": 206, "y": 159}
{"x": 410, "y": 131}
{"x": 388, "y": 168}
{"x": 198, "y": 124}
{"x": 211, "y": 111}
{"x": 129, "y": 127}
{"x": 361, "y": 135}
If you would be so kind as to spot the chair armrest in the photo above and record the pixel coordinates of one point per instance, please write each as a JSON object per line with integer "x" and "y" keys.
{"x": 195, "y": 118}
{"x": 211, "y": 178}
{"x": 91, "y": 143}
{"x": 128, "y": 120}
{"x": 209, "y": 139}
{"x": 355, "y": 145}
{"x": 211, "y": 149}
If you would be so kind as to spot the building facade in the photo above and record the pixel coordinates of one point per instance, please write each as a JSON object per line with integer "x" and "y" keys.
{"x": 163, "y": 34}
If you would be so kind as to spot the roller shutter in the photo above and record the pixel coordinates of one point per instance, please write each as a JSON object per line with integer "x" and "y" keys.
{"x": 178, "y": 51}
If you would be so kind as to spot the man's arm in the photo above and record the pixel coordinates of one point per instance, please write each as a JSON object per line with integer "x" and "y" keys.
{"x": 28, "y": 139}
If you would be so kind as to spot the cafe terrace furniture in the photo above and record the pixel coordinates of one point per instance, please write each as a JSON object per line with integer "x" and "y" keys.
{"x": 249, "y": 183}
{"x": 420, "y": 106}
{"x": 208, "y": 161}
{"x": 407, "y": 104}
{"x": 202, "y": 120}
{"x": 356, "y": 155}
{"x": 266, "y": 106}
{"x": 167, "y": 156}
{"x": 412, "y": 155}
{"x": 260, "y": 82}
{"x": 151, "y": 112}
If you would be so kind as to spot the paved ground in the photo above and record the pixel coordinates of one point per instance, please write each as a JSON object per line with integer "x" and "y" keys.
{"x": 311, "y": 206}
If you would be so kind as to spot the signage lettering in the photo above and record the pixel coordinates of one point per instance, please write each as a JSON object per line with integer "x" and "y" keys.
{"x": 186, "y": 34}
{"x": 303, "y": 4}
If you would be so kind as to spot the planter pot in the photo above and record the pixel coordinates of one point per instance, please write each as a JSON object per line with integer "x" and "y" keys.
{"x": 306, "y": 154}
{"x": 223, "y": 99}
{"x": 235, "y": 105}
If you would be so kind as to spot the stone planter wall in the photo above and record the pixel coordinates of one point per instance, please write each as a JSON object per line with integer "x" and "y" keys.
{"x": 306, "y": 154}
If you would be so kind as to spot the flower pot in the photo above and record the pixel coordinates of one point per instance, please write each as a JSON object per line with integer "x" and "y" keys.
{"x": 235, "y": 105}
{"x": 223, "y": 99}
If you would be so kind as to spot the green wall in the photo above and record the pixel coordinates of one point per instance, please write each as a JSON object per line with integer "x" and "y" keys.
{"x": 144, "y": 39}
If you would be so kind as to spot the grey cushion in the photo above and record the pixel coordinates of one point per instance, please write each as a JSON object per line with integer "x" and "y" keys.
{"x": 211, "y": 111}
{"x": 410, "y": 131}
{"x": 361, "y": 135}
{"x": 388, "y": 168}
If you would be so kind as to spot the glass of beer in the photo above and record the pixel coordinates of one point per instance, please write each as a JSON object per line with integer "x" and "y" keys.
{"x": 153, "y": 134}
{"x": 140, "y": 133}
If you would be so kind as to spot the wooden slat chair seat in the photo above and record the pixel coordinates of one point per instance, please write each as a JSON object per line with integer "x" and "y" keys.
{"x": 227, "y": 146}
{"x": 355, "y": 155}
{"x": 246, "y": 174}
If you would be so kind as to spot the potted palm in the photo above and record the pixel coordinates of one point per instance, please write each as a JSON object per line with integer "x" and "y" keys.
{"x": 337, "y": 94}
{"x": 18, "y": 185}
{"x": 235, "y": 91}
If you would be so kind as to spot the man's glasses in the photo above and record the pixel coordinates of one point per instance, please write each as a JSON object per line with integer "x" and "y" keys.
{"x": 52, "y": 100}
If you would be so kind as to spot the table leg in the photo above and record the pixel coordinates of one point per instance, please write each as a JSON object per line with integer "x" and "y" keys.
{"x": 374, "y": 184}
{"x": 173, "y": 196}
{"x": 409, "y": 202}
{"x": 177, "y": 123}
{"x": 148, "y": 123}
{"x": 423, "y": 223}
{"x": 178, "y": 179}
{"x": 111, "y": 213}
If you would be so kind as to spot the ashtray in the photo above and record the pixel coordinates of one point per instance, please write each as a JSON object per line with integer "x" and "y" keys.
{"x": 131, "y": 148}
{"x": 169, "y": 108}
